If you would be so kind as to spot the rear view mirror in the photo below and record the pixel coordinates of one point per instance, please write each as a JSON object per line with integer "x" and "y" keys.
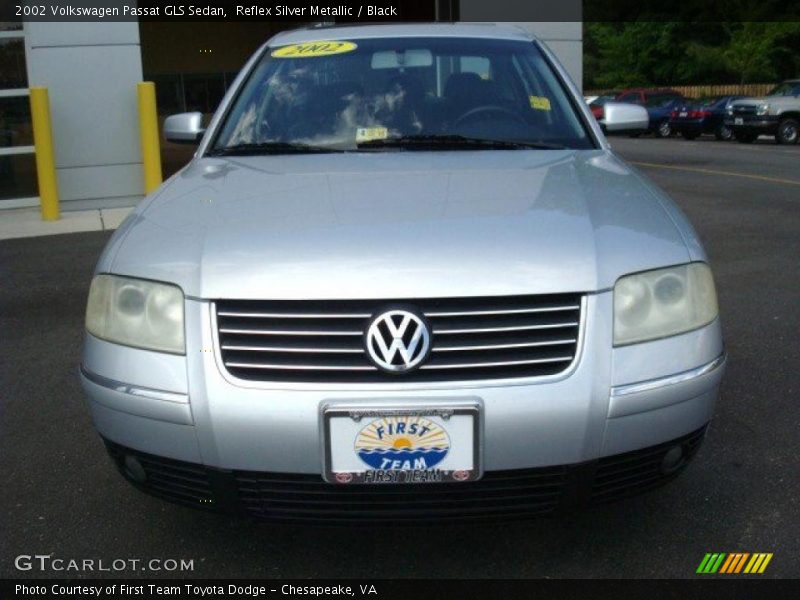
{"x": 184, "y": 128}
{"x": 397, "y": 59}
{"x": 624, "y": 118}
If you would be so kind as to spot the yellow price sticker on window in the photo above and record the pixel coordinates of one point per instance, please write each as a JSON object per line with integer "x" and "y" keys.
{"x": 540, "y": 102}
{"x": 313, "y": 49}
{"x": 367, "y": 134}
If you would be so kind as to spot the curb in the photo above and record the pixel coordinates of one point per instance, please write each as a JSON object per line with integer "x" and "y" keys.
{"x": 27, "y": 222}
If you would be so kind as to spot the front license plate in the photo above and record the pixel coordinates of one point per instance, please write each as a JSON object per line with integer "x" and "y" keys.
{"x": 683, "y": 114}
{"x": 738, "y": 121}
{"x": 402, "y": 446}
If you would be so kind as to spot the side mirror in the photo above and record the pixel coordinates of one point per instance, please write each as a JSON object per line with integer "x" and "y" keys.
{"x": 624, "y": 118}
{"x": 184, "y": 128}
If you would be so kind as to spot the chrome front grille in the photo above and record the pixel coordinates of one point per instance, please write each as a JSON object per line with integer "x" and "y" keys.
{"x": 472, "y": 338}
{"x": 744, "y": 109}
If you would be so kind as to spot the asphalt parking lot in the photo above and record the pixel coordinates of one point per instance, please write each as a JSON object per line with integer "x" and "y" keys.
{"x": 61, "y": 495}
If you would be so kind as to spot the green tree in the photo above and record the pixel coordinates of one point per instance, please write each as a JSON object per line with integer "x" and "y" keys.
{"x": 647, "y": 53}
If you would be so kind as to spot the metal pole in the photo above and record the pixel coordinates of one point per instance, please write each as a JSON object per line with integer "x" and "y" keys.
{"x": 45, "y": 156}
{"x": 148, "y": 126}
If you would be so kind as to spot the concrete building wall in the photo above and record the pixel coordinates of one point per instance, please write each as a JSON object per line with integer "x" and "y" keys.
{"x": 564, "y": 38}
{"x": 91, "y": 71}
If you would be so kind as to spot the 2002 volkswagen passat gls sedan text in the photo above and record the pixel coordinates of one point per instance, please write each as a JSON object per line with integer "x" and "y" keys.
{"x": 403, "y": 277}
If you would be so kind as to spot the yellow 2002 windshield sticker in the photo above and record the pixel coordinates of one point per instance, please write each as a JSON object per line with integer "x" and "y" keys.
{"x": 540, "y": 102}
{"x": 313, "y": 49}
{"x": 368, "y": 134}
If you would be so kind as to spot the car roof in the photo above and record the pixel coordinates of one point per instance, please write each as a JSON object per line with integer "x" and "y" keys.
{"x": 497, "y": 31}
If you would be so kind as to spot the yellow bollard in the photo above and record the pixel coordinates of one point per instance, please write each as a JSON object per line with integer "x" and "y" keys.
{"x": 148, "y": 126}
{"x": 45, "y": 158}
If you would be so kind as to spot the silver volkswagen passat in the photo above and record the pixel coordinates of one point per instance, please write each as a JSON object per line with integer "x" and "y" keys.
{"x": 404, "y": 277}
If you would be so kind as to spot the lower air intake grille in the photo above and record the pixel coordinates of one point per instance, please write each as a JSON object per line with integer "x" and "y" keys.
{"x": 471, "y": 338}
{"x": 639, "y": 471}
{"x": 499, "y": 494}
{"x": 509, "y": 494}
{"x": 173, "y": 480}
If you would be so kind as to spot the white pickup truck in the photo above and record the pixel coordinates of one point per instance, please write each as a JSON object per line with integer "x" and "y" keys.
{"x": 777, "y": 113}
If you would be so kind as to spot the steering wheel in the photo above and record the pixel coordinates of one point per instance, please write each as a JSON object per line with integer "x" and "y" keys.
{"x": 486, "y": 109}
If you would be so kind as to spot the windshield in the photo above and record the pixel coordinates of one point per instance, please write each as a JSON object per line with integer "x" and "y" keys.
{"x": 709, "y": 100}
{"x": 417, "y": 93}
{"x": 786, "y": 89}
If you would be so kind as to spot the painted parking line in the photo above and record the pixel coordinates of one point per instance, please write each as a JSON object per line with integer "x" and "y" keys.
{"x": 715, "y": 172}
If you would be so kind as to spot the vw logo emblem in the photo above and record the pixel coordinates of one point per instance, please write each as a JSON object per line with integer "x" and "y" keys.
{"x": 398, "y": 340}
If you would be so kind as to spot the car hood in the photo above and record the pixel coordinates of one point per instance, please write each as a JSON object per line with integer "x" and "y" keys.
{"x": 401, "y": 225}
{"x": 772, "y": 100}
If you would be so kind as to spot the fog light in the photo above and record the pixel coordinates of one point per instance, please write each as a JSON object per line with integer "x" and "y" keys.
{"x": 134, "y": 469}
{"x": 673, "y": 460}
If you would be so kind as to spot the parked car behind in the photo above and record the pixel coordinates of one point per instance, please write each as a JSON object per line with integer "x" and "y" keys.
{"x": 659, "y": 104}
{"x": 778, "y": 114}
{"x": 596, "y": 105}
{"x": 706, "y": 115}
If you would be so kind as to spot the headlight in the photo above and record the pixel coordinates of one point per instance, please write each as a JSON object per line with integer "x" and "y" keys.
{"x": 136, "y": 312}
{"x": 665, "y": 302}
{"x": 762, "y": 109}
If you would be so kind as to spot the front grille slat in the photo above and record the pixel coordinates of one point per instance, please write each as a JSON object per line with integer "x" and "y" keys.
{"x": 278, "y": 315}
{"x": 307, "y": 332}
{"x": 321, "y": 349}
{"x": 502, "y": 363}
{"x": 512, "y": 311}
{"x": 504, "y": 346}
{"x": 483, "y": 338}
{"x": 296, "y": 367}
{"x": 451, "y": 331}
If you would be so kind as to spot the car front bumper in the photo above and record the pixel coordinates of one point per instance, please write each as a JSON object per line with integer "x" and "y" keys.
{"x": 615, "y": 401}
{"x": 698, "y": 126}
{"x": 766, "y": 125}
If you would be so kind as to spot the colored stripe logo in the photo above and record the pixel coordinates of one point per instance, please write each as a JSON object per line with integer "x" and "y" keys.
{"x": 734, "y": 563}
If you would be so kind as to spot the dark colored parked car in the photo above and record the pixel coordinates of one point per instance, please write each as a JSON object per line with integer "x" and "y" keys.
{"x": 706, "y": 115}
{"x": 659, "y": 104}
{"x": 596, "y": 105}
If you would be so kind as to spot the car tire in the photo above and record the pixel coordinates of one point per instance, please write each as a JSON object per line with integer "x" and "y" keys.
{"x": 745, "y": 138}
{"x": 723, "y": 133}
{"x": 689, "y": 136}
{"x": 663, "y": 129}
{"x": 788, "y": 131}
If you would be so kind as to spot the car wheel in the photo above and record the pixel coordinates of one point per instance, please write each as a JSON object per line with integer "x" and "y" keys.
{"x": 723, "y": 133}
{"x": 689, "y": 136}
{"x": 664, "y": 129}
{"x": 745, "y": 138}
{"x": 788, "y": 131}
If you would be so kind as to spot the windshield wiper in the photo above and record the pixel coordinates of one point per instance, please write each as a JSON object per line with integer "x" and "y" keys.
{"x": 270, "y": 148}
{"x": 459, "y": 142}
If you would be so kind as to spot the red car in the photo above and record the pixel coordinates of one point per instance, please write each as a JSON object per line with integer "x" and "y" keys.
{"x": 643, "y": 96}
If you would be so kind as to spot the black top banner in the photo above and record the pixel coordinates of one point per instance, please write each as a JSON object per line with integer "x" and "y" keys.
{"x": 366, "y": 11}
